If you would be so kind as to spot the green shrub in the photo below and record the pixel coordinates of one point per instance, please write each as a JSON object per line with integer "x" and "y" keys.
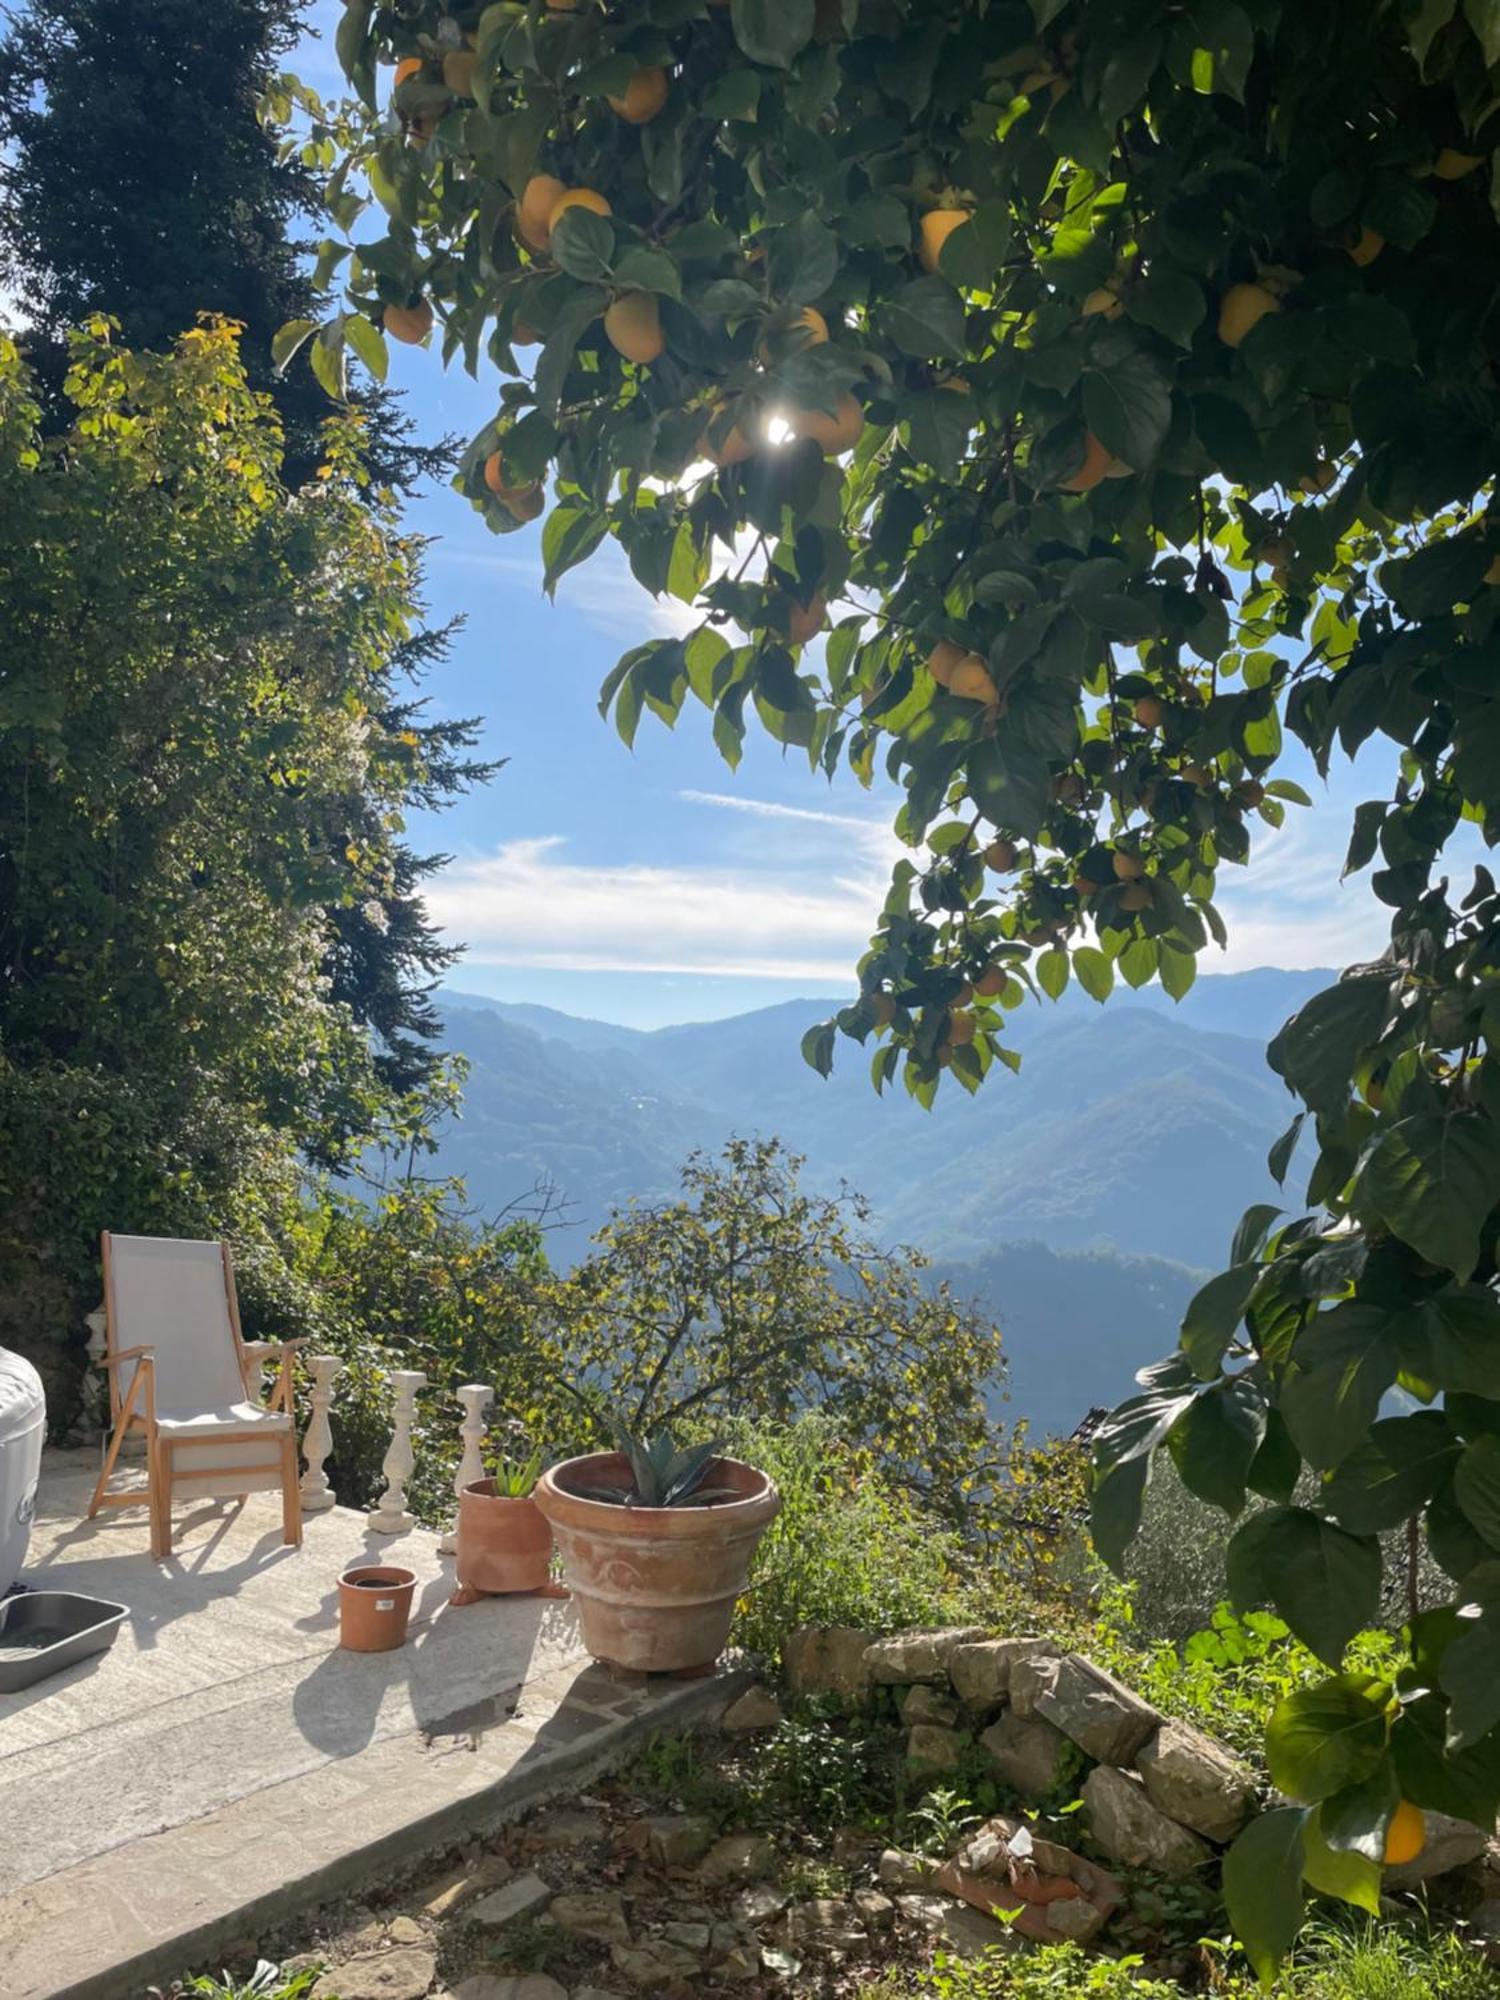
{"x": 1387, "y": 1962}
{"x": 848, "y": 1548}
{"x": 1050, "y": 1972}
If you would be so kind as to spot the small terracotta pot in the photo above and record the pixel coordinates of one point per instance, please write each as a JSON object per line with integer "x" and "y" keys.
{"x": 503, "y": 1544}
{"x": 375, "y": 1607}
{"x": 655, "y": 1586}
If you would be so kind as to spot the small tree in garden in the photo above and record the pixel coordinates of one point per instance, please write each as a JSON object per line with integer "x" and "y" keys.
{"x": 1113, "y": 389}
{"x": 749, "y": 1296}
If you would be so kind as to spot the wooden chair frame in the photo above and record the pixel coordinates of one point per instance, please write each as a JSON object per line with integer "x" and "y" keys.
{"x": 135, "y": 1410}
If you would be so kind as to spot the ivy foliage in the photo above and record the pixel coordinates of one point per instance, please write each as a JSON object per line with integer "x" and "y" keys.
{"x": 1156, "y": 420}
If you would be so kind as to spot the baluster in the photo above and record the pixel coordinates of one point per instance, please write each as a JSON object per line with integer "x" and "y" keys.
{"x": 317, "y": 1494}
{"x": 476, "y": 1398}
{"x": 391, "y": 1517}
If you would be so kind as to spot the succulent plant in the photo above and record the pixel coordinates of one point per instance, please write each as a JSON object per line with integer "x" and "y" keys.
{"x": 661, "y": 1474}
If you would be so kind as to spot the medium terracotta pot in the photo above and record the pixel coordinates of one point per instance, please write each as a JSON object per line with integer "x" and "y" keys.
{"x": 655, "y": 1586}
{"x": 374, "y": 1607}
{"x": 503, "y": 1544}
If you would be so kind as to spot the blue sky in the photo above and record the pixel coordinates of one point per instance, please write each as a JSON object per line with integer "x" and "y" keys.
{"x": 655, "y": 885}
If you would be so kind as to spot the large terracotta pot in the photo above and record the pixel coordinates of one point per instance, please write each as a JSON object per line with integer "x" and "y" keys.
{"x": 655, "y": 1586}
{"x": 503, "y": 1544}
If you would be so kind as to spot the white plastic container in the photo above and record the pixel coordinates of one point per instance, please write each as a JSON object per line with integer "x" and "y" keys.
{"x": 23, "y": 1422}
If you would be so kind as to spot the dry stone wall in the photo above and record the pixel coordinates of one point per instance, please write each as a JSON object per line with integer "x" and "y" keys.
{"x": 1158, "y": 1793}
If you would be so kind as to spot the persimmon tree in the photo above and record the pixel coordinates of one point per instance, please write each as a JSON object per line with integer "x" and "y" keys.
{"x": 1116, "y": 385}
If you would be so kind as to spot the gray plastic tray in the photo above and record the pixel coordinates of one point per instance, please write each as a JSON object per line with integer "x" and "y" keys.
{"x": 43, "y": 1631}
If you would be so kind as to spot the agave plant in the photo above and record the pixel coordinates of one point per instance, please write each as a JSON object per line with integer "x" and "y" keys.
{"x": 661, "y": 1474}
{"x": 515, "y": 1477}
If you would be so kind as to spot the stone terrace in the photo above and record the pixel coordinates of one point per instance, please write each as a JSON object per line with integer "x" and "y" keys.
{"x": 227, "y": 1764}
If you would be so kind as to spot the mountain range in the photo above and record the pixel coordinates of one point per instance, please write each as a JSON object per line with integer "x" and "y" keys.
{"x": 1081, "y": 1201}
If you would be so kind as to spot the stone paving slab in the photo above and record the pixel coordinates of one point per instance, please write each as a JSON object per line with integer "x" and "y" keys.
{"x": 227, "y": 1764}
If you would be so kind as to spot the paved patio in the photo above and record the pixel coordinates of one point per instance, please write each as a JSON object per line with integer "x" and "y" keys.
{"x": 226, "y": 1762}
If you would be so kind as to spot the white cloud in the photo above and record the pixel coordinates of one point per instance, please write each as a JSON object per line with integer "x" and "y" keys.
{"x": 1287, "y": 906}
{"x": 529, "y": 904}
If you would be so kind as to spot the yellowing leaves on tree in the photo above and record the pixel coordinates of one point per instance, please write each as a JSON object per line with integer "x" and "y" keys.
{"x": 643, "y": 96}
{"x": 408, "y": 324}
{"x": 408, "y": 66}
{"x": 1104, "y": 302}
{"x": 1243, "y": 307}
{"x": 936, "y": 226}
{"x": 539, "y": 197}
{"x": 835, "y": 433}
{"x": 632, "y": 325}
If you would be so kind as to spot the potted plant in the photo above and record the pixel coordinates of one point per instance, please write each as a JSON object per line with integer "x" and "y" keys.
{"x": 504, "y": 1542}
{"x": 656, "y": 1545}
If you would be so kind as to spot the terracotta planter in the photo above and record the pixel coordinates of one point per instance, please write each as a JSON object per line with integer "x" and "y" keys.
{"x": 655, "y": 1586}
{"x": 503, "y": 1544}
{"x": 374, "y": 1607}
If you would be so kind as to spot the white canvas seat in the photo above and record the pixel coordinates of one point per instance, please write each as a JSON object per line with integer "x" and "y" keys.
{"x": 180, "y": 1371}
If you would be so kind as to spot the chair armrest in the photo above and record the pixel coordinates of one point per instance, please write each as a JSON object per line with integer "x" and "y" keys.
{"x": 145, "y": 1355}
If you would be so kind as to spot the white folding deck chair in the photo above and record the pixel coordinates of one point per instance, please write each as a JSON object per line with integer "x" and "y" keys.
{"x": 180, "y": 1372}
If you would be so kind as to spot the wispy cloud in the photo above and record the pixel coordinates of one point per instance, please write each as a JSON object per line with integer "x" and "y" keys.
{"x": 531, "y": 904}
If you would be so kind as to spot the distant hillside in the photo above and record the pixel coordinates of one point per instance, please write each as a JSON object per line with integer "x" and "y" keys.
{"x": 1082, "y": 1199}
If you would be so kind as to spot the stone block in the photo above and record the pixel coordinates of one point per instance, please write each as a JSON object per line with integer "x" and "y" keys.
{"x": 597, "y": 1914}
{"x": 898, "y": 1869}
{"x": 1027, "y": 1751}
{"x": 916, "y": 1656}
{"x": 525, "y": 1896}
{"x": 931, "y": 1751}
{"x": 1195, "y": 1780}
{"x": 827, "y": 1659}
{"x": 757, "y": 1708}
{"x": 403, "y": 1973}
{"x": 739, "y": 1857}
{"x": 966, "y": 1932}
{"x": 1101, "y": 1715}
{"x": 1031, "y": 1674}
{"x": 677, "y": 1840}
{"x": 924, "y": 1703}
{"x": 980, "y": 1668}
{"x": 1131, "y": 1830}
{"x": 1449, "y": 1844}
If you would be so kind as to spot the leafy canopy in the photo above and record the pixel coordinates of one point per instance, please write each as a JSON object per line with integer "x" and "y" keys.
{"x": 1156, "y": 419}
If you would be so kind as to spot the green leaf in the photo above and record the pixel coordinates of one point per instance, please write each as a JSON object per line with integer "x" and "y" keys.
{"x": 641, "y": 267}
{"x": 803, "y": 260}
{"x": 817, "y": 1047}
{"x": 327, "y": 356}
{"x": 1343, "y": 1362}
{"x": 1320, "y": 1046}
{"x": 288, "y": 339}
{"x": 773, "y": 31}
{"x": 1169, "y": 302}
{"x": 1382, "y": 1483}
{"x": 1354, "y": 1820}
{"x": 584, "y": 245}
{"x": 1263, "y": 1887}
{"x": 1280, "y": 1156}
{"x": 1322, "y": 1739}
{"x": 1278, "y": 1464}
{"x": 1432, "y": 16}
{"x": 1128, "y": 70}
{"x": 1433, "y": 1180}
{"x": 1463, "y": 1783}
{"x": 1470, "y": 1672}
{"x": 368, "y": 343}
{"x": 1134, "y": 1428}
{"x": 1483, "y": 16}
{"x": 570, "y": 536}
{"x": 1176, "y": 969}
{"x": 1051, "y": 970}
{"x": 1211, "y": 47}
{"x": 1127, "y": 403}
{"x": 1115, "y": 1510}
{"x": 972, "y": 255}
{"x": 1476, "y": 1486}
{"x": 1214, "y": 1442}
{"x": 1213, "y": 1316}
{"x": 926, "y": 319}
{"x": 1095, "y": 973}
{"x": 1335, "y": 1871}
{"x": 1452, "y": 1339}
{"x": 1323, "y": 1582}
